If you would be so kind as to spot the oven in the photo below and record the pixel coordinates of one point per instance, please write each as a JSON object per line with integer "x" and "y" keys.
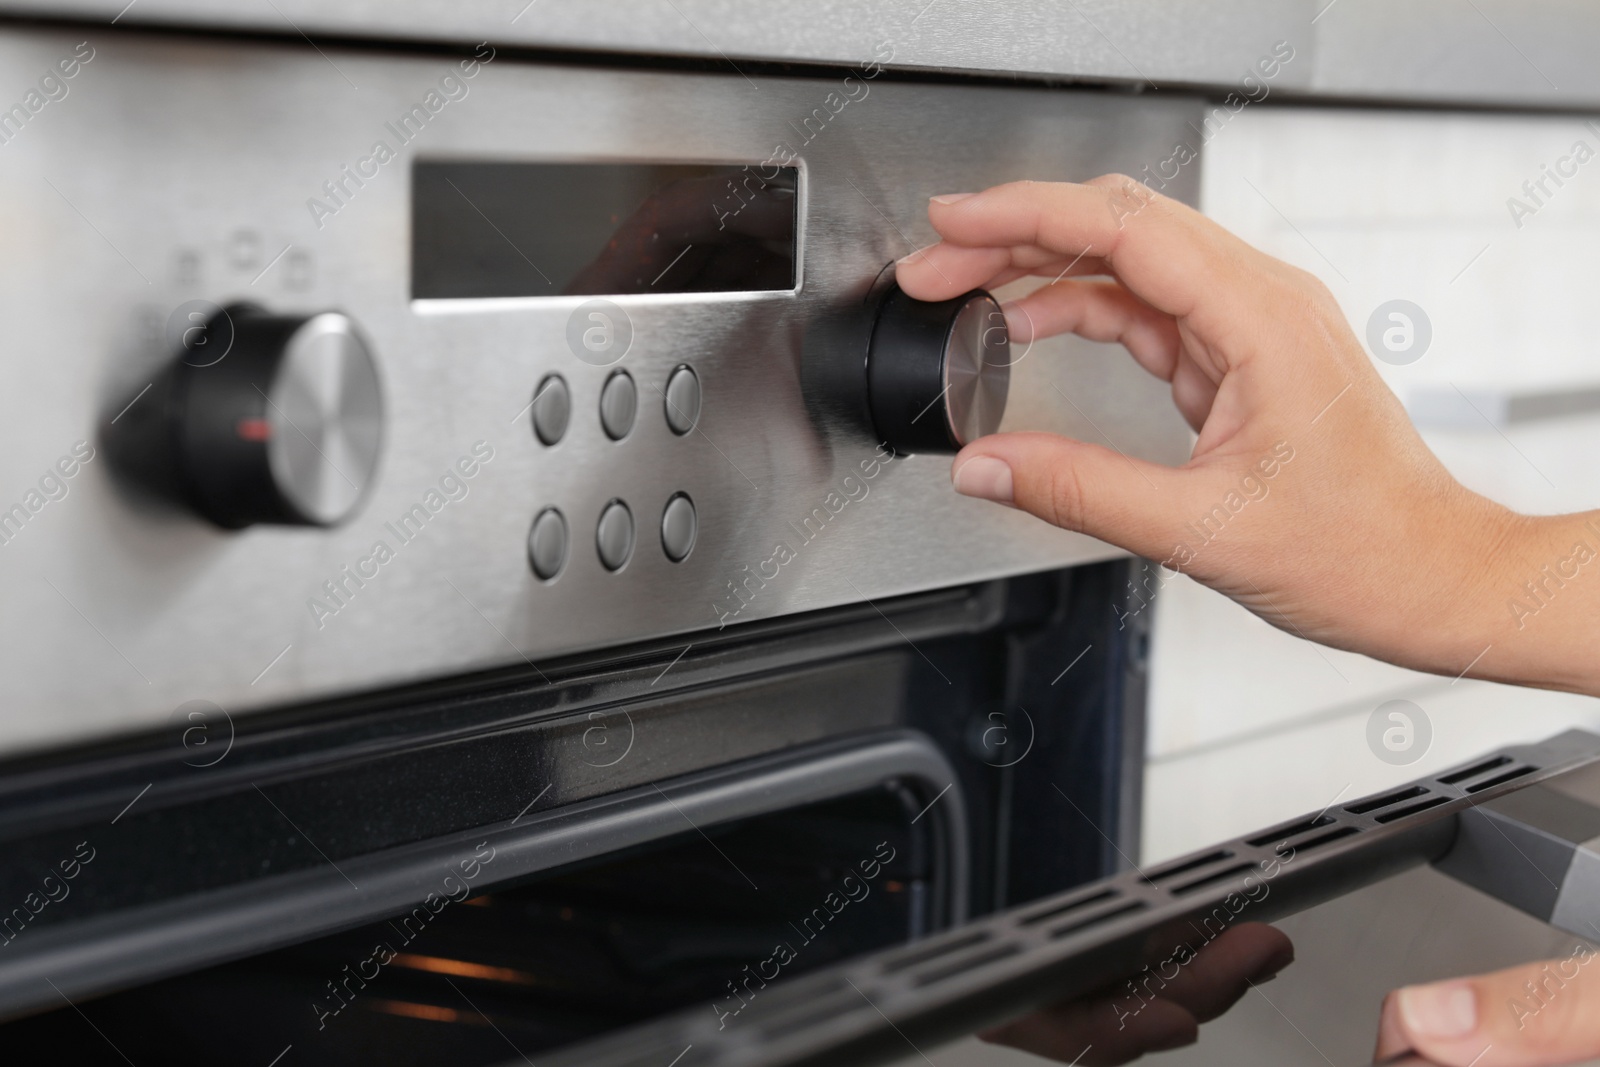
{"x": 481, "y": 580}
{"x": 481, "y": 571}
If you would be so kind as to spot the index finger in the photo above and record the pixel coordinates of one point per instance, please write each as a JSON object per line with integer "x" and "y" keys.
{"x": 1163, "y": 251}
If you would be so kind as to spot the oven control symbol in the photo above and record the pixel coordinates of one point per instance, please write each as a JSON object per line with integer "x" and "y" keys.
{"x": 938, "y": 372}
{"x": 284, "y": 427}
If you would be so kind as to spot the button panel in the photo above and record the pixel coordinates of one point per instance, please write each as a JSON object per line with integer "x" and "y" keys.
{"x": 616, "y": 530}
{"x": 679, "y": 526}
{"x": 613, "y": 536}
{"x": 552, "y": 409}
{"x": 619, "y": 403}
{"x": 682, "y": 401}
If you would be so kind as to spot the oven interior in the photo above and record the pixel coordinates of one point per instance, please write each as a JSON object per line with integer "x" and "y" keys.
{"x": 542, "y": 962}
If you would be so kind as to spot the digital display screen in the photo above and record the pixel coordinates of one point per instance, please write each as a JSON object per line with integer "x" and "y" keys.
{"x": 486, "y": 229}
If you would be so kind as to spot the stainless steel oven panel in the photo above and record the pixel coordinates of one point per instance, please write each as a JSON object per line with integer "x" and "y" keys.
{"x": 177, "y": 169}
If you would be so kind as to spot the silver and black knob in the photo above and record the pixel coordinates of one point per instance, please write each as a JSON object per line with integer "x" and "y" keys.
{"x": 259, "y": 418}
{"x": 938, "y": 371}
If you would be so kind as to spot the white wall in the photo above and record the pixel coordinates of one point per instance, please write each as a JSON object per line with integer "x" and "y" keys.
{"x": 1248, "y": 724}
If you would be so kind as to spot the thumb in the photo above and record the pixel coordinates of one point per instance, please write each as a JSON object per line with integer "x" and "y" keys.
{"x": 1535, "y": 1015}
{"x": 1086, "y": 488}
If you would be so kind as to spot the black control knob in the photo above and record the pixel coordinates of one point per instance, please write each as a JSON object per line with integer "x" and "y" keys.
{"x": 260, "y": 418}
{"x": 938, "y": 372}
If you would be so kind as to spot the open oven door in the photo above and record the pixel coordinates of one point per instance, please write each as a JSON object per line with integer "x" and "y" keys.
{"x": 1522, "y": 824}
{"x": 804, "y": 906}
{"x": 518, "y": 862}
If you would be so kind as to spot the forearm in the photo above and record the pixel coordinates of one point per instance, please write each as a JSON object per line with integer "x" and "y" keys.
{"x": 1538, "y": 604}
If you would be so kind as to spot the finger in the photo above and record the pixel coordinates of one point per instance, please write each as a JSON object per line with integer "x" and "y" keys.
{"x": 1165, "y": 252}
{"x": 1220, "y": 973}
{"x": 1005, "y": 277}
{"x": 1053, "y": 268}
{"x": 1529, "y": 1016}
{"x": 1098, "y": 1033}
{"x": 945, "y": 270}
{"x": 1078, "y": 486}
{"x": 1099, "y": 311}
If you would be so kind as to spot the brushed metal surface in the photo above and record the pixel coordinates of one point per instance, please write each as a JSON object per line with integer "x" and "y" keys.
{"x": 326, "y": 412}
{"x": 1130, "y": 41}
{"x": 1492, "y": 52}
{"x": 179, "y": 169}
{"x": 977, "y": 370}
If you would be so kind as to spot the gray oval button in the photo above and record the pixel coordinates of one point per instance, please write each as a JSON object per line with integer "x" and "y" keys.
{"x": 619, "y": 402}
{"x": 552, "y": 409}
{"x": 683, "y": 400}
{"x": 678, "y": 527}
{"x": 547, "y": 543}
{"x": 613, "y": 537}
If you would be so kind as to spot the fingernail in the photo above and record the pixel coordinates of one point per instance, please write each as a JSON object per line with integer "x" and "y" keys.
{"x": 1446, "y": 1010}
{"x": 917, "y": 254}
{"x": 984, "y": 477}
{"x": 949, "y": 198}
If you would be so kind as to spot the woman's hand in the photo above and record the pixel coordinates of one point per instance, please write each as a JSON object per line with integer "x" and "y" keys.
{"x": 1160, "y": 1012}
{"x": 1536, "y": 1015}
{"x": 1309, "y": 497}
